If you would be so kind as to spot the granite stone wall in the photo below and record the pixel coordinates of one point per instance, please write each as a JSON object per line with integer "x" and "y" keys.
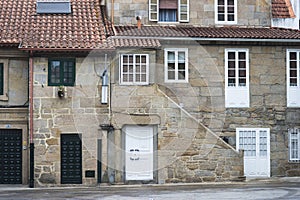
{"x": 202, "y": 13}
{"x": 80, "y": 112}
{"x": 187, "y": 151}
{"x": 204, "y": 97}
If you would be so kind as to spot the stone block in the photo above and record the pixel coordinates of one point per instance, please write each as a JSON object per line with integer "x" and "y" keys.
{"x": 47, "y": 178}
{"x": 52, "y": 141}
{"x": 204, "y": 173}
{"x": 192, "y": 165}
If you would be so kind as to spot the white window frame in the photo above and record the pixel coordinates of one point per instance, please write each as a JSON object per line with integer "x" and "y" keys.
{"x": 296, "y": 137}
{"x": 4, "y": 97}
{"x": 134, "y": 82}
{"x": 176, "y": 80}
{"x": 237, "y": 96}
{"x": 226, "y": 13}
{"x": 182, "y": 9}
{"x": 293, "y": 92}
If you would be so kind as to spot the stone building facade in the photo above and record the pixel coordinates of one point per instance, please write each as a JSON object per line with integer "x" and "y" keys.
{"x": 78, "y": 112}
{"x": 150, "y": 91}
{"x": 14, "y": 116}
{"x": 201, "y": 13}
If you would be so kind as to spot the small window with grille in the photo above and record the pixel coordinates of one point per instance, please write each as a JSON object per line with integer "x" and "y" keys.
{"x": 294, "y": 144}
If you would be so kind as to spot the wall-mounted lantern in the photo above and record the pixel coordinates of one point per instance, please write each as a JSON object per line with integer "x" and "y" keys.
{"x": 104, "y": 93}
{"x": 61, "y": 91}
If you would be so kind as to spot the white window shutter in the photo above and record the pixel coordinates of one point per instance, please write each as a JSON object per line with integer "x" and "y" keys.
{"x": 153, "y": 10}
{"x": 237, "y": 97}
{"x": 184, "y": 10}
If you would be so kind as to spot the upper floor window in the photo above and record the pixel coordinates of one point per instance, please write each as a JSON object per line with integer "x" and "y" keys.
{"x": 176, "y": 65}
{"x": 237, "y": 78}
{"x": 294, "y": 144}
{"x": 3, "y": 79}
{"x": 226, "y": 11}
{"x": 169, "y": 10}
{"x": 293, "y": 78}
{"x": 134, "y": 69}
{"x": 61, "y": 72}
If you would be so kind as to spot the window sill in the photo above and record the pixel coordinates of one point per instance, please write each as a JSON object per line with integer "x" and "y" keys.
{"x": 168, "y": 23}
{"x": 294, "y": 161}
{"x": 171, "y": 81}
{"x": 3, "y": 98}
{"x": 226, "y": 23}
{"x": 134, "y": 84}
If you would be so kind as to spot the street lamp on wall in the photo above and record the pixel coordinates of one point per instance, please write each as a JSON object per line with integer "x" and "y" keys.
{"x": 104, "y": 93}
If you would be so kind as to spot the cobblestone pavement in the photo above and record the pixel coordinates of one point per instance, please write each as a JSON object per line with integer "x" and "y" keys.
{"x": 285, "y": 190}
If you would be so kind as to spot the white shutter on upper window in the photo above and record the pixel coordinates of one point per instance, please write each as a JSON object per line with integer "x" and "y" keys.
{"x": 153, "y": 10}
{"x": 183, "y": 9}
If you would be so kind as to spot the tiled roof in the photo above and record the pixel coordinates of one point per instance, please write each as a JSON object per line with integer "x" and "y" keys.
{"x": 282, "y": 9}
{"x": 206, "y": 32}
{"x": 135, "y": 42}
{"x": 82, "y": 29}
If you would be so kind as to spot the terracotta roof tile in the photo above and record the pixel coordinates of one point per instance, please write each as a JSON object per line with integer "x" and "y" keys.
{"x": 282, "y": 9}
{"x": 82, "y": 29}
{"x": 136, "y": 42}
{"x": 206, "y": 32}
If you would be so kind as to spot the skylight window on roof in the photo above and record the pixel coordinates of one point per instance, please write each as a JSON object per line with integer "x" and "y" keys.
{"x": 53, "y": 6}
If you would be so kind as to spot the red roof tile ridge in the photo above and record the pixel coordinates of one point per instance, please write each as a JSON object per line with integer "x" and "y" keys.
{"x": 282, "y": 9}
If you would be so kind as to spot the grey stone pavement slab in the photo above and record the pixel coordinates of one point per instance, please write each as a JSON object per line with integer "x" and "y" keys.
{"x": 275, "y": 188}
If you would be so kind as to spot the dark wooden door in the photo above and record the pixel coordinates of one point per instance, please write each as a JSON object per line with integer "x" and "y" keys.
{"x": 10, "y": 156}
{"x": 71, "y": 159}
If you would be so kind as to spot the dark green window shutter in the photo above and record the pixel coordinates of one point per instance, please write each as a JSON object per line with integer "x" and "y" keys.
{"x": 1, "y": 79}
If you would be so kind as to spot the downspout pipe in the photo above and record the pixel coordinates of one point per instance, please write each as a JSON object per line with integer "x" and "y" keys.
{"x": 112, "y": 7}
{"x": 31, "y": 160}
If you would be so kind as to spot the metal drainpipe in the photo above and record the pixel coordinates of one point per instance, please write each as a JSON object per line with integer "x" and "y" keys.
{"x": 31, "y": 170}
{"x": 112, "y": 11}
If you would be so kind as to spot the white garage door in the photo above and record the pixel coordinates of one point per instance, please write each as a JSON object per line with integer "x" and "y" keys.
{"x": 139, "y": 152}
{"x": 256, "y": 145}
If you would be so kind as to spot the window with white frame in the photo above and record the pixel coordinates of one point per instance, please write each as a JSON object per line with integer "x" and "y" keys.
{"x": 3, "y": 79}
{"x": 169, "y": 10}
{"x": 176, "y": 65}
{"x": 293, "y": 78}
{"x": 134, "y": 69}
{"x": 237, "y": 78}
{"x": 294, "y": 144}
{"x": 226, "y": 11}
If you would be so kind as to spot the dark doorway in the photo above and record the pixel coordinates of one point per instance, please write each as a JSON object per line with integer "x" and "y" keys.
{"x": 71, "y": 159}
{"x": 99, "y": 163}
{"x": 10, "y": 156}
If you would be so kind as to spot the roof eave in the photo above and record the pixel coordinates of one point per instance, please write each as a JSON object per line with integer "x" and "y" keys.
{"x": 66, "y": 49}
{"x": 213, "y": 39}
